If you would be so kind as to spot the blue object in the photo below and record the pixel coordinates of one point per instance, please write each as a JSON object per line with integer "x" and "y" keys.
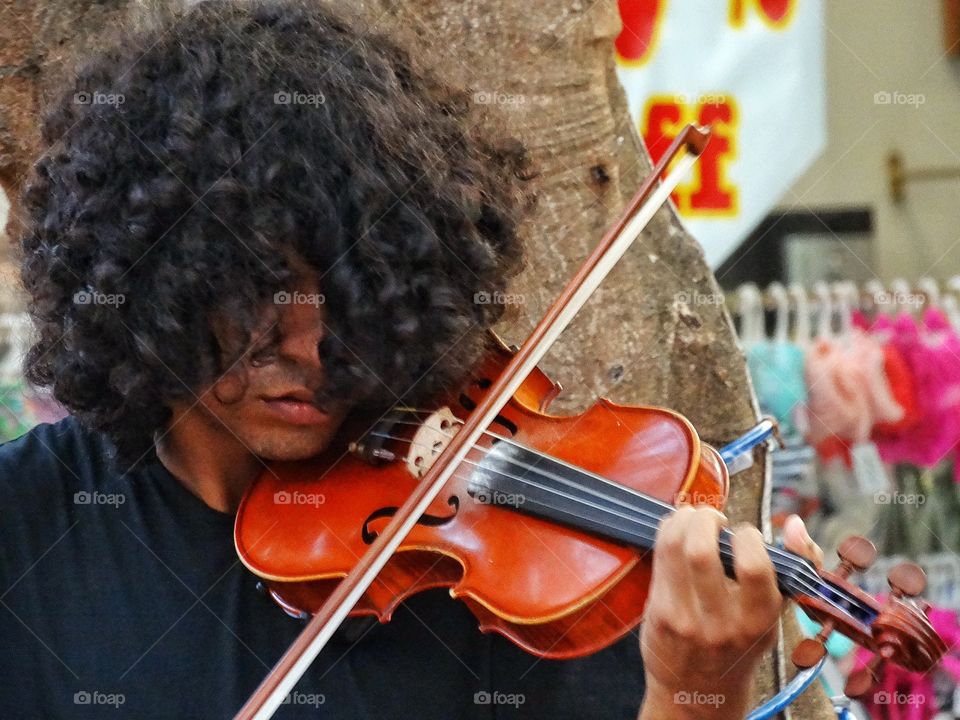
{"x": 731, "y": 451}
{"x": 791, "y": 692}
{"x": 776, "y": 368}
{"x": 761, "y": 432}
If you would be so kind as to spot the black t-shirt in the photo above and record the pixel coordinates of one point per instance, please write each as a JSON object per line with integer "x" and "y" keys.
{"x": 122, "y": 596}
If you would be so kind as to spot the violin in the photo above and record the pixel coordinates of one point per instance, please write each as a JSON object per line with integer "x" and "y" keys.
{"x": 545, "y": 532}
{"x": 544, "y": 525}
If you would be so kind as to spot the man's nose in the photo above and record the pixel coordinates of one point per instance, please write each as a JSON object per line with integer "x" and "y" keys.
{"x": 302, "y": 330}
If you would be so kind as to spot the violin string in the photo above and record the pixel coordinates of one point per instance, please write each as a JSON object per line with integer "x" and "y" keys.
{"x": 543, "y": 456}
{"x": 648, "y": 531}
{"x": 648, "y": 539}
{"x": 795, "y": 563}
{"x": 725, "y": 547}
{"x": 532, "y": 451}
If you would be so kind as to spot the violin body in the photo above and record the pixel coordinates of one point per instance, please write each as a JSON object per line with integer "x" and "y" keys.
{"x": 554, "y": 590}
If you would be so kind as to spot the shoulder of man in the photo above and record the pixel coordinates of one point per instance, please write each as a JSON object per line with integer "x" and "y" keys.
{"x": 50, "y": 459}
{"x": 44, "y": 476}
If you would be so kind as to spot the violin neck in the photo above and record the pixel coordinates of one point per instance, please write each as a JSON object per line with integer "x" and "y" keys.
{"x": 552, "y": 489}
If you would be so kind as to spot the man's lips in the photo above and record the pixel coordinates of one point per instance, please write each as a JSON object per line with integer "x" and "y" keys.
{"x": 297, "y": 407}
{"x": 298, "y": 394}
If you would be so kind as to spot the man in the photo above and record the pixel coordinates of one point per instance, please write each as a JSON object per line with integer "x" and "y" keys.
{"x": 245, "y": 224}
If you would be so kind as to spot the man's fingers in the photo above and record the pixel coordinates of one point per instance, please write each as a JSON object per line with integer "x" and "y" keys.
{"x": 760, "y": 600}
{"x": 796, "y": 539}
{"x": 701, "y": 553}
{"x": 671, "y": 574}
{"x": 671, "y": 563}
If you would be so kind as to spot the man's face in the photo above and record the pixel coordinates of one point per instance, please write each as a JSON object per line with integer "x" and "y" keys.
{"x": 266, "y": 401}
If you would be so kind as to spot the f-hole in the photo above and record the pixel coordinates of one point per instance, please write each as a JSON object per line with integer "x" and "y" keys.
{"x": 470, "y": 405}
{"x": 369, "y": 534}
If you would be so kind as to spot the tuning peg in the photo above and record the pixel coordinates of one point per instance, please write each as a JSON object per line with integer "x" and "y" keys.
{"x": 907, "y": 580}
{"x": 857, "y": 554}
{"x": 860, "y": 681}
{"x": 810, "y": 651}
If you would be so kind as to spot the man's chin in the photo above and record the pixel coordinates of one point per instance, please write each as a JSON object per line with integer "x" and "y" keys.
{"x": 291, "y": 447}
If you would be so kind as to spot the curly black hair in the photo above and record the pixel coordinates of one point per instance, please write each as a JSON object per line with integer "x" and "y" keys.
{"x": 186, "y": 170}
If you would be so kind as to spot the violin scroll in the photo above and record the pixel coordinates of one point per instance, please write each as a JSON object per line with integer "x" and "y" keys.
{"x": 902, "y": 631}
{"x": 897, "y": 631}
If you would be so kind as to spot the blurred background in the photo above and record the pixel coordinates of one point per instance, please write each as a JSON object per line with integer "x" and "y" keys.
{"x": 829, "y": 214}
{"x": 828, "y": 207}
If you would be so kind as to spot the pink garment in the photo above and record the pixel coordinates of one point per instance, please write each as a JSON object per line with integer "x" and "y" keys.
{"x": 882, "y": 327}
{"x": 945, "y": 623}
{"x": 932, "y": 353}
{"x": 858, "y": 319}
{"x": 900, "y": 694}
{"x": 848, "y": 389}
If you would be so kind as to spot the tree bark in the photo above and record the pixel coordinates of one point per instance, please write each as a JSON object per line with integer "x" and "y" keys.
{"x": 641, "y": 339}
{"x": 548, "y": 68}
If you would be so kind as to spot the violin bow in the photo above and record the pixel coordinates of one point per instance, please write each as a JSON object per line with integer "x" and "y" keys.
{"x": 615, "y": 242}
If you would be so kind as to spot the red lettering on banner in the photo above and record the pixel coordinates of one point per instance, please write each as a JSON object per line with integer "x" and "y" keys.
{"x": 775, "y": 13}
{"x": 637, "y": 40}
{"x": 663, "y": 119}
{"x": 713, "y": 194}
{"x": 710, "y": 192}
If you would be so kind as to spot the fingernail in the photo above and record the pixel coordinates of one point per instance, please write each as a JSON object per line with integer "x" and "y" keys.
{"x": 806, "y": 535}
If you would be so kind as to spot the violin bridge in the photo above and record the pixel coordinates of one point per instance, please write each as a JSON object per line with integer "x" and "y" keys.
{"x": 430, "y": 439}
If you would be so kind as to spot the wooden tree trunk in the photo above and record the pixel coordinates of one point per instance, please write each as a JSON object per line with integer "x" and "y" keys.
{"x": 549, "y": 69}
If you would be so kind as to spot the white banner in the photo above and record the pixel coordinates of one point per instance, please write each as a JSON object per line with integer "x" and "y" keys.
{"x": 753, "y": 69}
